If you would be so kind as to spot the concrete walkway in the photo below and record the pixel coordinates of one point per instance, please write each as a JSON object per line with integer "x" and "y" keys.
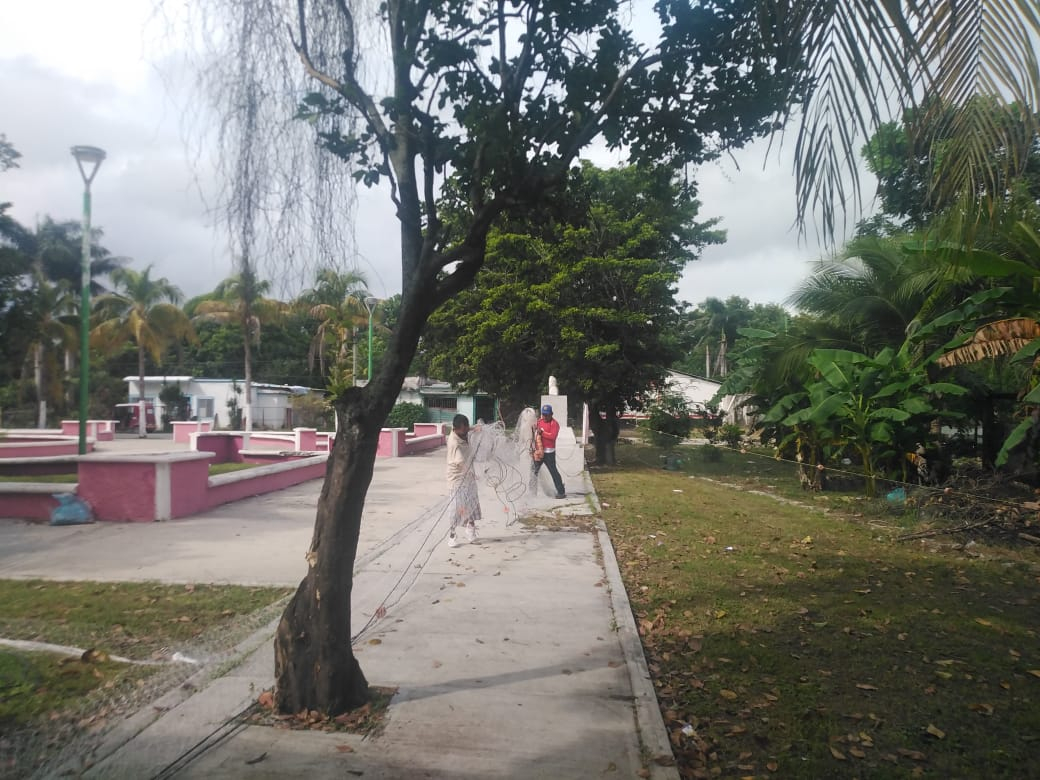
{"x": 515, "y": 657}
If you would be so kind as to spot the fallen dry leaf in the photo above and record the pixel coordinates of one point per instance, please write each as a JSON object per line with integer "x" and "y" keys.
{"x": 728, "y": 695}
{"x": 982, "y": 709}
{"x": 866, "y": 687}
{"x": 838, "y": 754}
{"x": 913, "y": 755}
{"x": 935, "y": 731}
{"x": 344, "y": 748}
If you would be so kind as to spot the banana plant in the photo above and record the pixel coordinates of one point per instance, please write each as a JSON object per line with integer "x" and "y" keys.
{"x": 863, "y": 400}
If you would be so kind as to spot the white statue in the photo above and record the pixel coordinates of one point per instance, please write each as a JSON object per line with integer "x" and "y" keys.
{"x": 553, "y": 389}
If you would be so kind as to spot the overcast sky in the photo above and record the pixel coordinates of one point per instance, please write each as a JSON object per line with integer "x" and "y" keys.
{"x": 75, "y": 72}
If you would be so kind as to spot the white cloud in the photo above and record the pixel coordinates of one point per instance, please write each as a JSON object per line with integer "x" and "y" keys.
{"x": 86, "y": 81}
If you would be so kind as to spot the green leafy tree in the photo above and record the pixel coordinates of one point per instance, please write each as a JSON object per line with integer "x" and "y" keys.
{"x": 583, "y": 290}
{"x": 17, "y": 300}
{"x": 907, "y": 157}
{"x": 8, "y": 154}
{"x": 144, "y": 311}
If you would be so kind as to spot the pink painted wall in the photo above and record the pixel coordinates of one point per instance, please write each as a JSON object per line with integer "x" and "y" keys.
{"x": 391, "y": 442}
{"x": 306, "y": 439}
{"x": 125, "y": 488}
{"x": 224, "y": 446}
{"x": 182, "y": 430}
{"x": 118, "y": 489}
{"x": 424, "y": 444}
{"x": 101, "y": 430}
{"x": 189, "y": 483}
{"x": 27, "y": 506}
{"x": 233, "y": 491}
{"x": 19, "y": 447}
{"x": 428, "y": 429}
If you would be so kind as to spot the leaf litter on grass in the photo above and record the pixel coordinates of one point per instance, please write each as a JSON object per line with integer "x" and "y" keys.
{"x": 820, "y": 635}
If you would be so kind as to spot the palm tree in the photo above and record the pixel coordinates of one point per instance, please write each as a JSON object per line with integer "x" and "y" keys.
{"x": 57, "y": 248}
{"x": 145, "y": 311}
{"x": 879, "y": 289}
{"x": 52, "y": 305}
{"x": 338, "y": 301}
{"x": 864, "y": 61}
{"x": 715, "y": 322}
{"x": 240, "y": 299}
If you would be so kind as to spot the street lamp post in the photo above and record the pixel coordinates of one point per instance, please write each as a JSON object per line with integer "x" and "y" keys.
{"x": 370, "y": 304}
{"x": 88, "y": 159}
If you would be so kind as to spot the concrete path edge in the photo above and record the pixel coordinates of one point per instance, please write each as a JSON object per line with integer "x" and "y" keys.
{"x": 649, "y": 723}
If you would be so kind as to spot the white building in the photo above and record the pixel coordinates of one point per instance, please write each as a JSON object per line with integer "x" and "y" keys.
{"x": 212, "y": 399}
{"x": 700, "y": 394}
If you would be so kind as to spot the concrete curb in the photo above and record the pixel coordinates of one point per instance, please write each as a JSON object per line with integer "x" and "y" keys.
{"x": 650, "y": 725}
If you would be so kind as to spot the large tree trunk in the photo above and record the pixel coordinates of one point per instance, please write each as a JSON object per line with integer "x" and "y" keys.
{"x": 315, "y": 668}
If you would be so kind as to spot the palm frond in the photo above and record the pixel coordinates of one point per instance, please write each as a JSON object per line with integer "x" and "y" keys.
{"x": 995, "y": 339}
{"x": 869, "y": 61}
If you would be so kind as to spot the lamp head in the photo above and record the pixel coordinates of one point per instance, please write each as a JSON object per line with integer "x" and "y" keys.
{"x": 88, "y": 157}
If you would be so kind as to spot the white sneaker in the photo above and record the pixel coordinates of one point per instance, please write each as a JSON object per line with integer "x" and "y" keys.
{"x": 471, "y": 534}
{"x": 453, "y": 540}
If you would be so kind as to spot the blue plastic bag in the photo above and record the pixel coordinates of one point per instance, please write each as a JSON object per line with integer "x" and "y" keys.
{"x": 71, "y": 510}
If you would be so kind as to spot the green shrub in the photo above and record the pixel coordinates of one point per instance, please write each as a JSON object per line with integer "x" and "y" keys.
{"x": 311, "y": 411}
{"x": 731, "y": 434}
{"x": 668, "y": 419}
{"x": 405, "y": 416}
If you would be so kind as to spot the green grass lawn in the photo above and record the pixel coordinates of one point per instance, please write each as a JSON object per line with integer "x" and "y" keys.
{"x": 139, "y": 621}
{"x": 802, "y": 640}
{"x": 227, "y": 468}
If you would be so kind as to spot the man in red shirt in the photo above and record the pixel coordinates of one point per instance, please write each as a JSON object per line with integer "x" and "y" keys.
{"x": 546, "y": 430}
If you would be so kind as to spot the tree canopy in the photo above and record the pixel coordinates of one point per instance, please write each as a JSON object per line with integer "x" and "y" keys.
{"x": 583, "y": 289}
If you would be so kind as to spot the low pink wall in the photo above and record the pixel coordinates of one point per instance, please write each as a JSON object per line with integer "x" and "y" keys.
{"x": 182, "y": 430}
{"x": 429, "y": 429}
{"x": 223, "y": 493}
{"x": 157, "y": 486}
{"x": 306, "y": 439}
{"x": 391, "y": 443}
{"x": 189, "y": 487}
{"x": 397, "y": 442}
{"x": 101, "y": 430}
{"x": 17, "y": 447}
{"x": 169, "y": 485}
{"x": 119, "y": 488}
{"x": 224, "y": 446}
{"x": 25, "y": 506}
{"x": 417, "y": 444}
